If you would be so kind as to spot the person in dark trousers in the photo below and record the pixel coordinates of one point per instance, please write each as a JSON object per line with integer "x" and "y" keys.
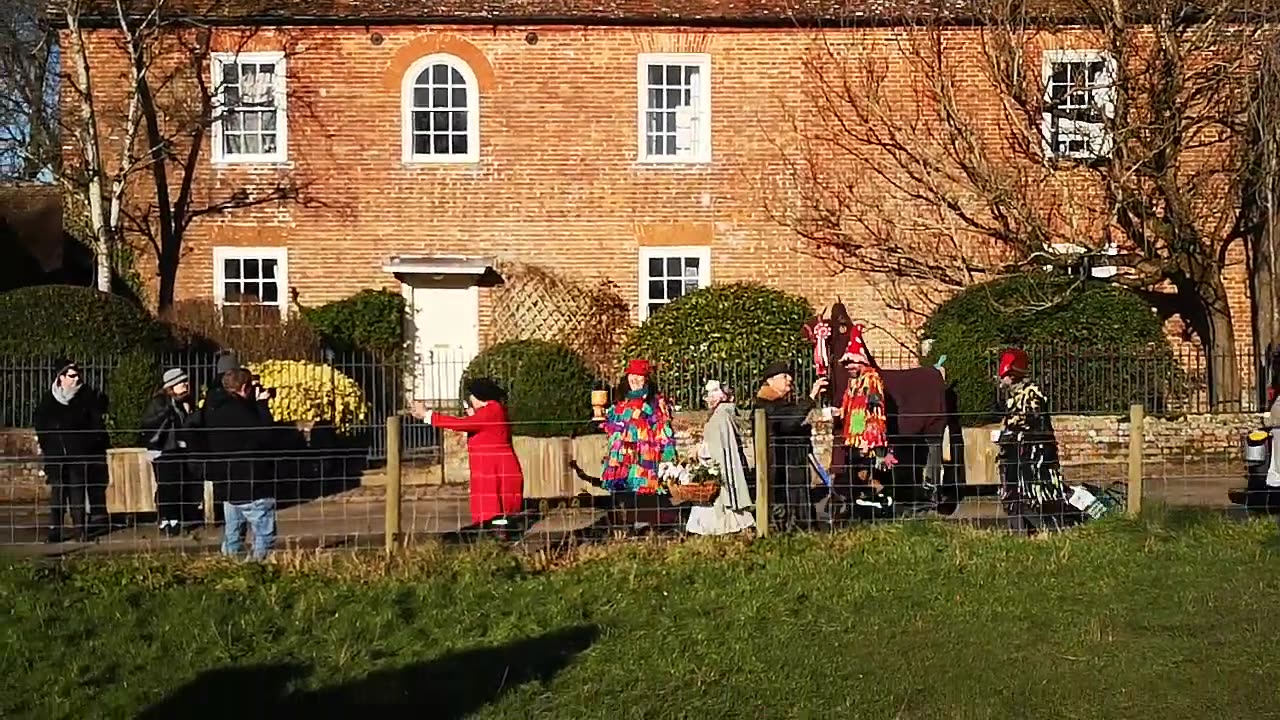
{"x": 196, "y": 470}
{"x": 71, "y": 429}
{"x": 239, "y": 443}
{"x": 165, "y": 434}
{"x": 1032, "y": 488}
{"x": 790, "y": 442}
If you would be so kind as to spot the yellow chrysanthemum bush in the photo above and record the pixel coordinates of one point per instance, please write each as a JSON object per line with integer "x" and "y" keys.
{"x": 307, "y": 392}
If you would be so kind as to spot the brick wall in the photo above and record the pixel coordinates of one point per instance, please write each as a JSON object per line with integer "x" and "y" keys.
{"x": 1086, "y": 439}
{"x": 557, "y": 184}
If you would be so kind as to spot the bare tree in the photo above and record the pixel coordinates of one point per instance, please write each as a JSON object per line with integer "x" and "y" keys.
{"x": 28, "y": 92}
{"x": 1264, "y": 202}
{"x": 1122, "y": 140}
{"x": 146, "y": 180}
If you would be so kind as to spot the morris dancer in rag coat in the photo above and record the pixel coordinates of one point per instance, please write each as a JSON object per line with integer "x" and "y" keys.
{"x": 497, "y": 481}
{"x": 864, "y": 427}
{"x": 730, "y": 513}
{"x": 1031, "y": 485}
{"x": 640, "y": 433}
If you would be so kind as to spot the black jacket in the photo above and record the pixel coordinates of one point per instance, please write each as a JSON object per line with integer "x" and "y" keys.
{"x": 216, "y": 395}
{"x": 75, "y": 430}
{"x": 790, "y": 440}
{"x": 164, "y": 424}
{"x": 239, "y": 449}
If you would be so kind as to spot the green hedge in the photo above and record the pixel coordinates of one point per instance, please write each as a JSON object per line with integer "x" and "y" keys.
{"x": 107, "y": 333}
{"x": 76, "y": 322}
{"x": 129, "y": 388}
{"x": 369, "y": 321}
{"x": 1095, "y": 347}
{"x": 549, "y": 386}
{"x": 727, "y": 332}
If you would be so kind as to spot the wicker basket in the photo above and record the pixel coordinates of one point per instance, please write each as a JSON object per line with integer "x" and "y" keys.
{"x": 703, "y": 493}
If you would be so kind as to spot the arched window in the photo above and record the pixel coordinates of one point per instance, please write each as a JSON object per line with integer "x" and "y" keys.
{"x": 441, "y": 111}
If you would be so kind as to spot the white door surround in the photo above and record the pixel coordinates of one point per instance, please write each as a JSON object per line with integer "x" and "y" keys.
{"x": 442, "y": 321}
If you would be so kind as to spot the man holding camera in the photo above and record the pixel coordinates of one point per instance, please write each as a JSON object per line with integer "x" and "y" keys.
{"x": 238, "y": 438}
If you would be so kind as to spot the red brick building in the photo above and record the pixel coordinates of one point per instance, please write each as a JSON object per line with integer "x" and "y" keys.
{"x": 618, "y": 140}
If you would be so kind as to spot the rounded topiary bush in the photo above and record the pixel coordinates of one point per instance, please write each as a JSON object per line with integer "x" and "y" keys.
{"x": 727, "y": 332}
{"x": 548, "y": 386}
{"x": 1095, "y": 347}
{"x": 44, "y": 323}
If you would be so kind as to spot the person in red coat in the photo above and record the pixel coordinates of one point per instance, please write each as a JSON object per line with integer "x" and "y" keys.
{"x": 497, "y": 482}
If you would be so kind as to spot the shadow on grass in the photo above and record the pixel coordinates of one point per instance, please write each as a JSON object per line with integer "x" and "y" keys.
{"x": 448, "y": 688}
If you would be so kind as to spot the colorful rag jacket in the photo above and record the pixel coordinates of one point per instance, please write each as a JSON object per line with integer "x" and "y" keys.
{"x": 866, "y": 426}
{"x": 1030, "y": 472}
{"x": 640, "y": 439}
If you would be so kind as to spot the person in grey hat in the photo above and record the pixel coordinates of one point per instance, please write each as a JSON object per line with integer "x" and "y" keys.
{"x": 165, "y": 434}
{"x": 226, "y": 362}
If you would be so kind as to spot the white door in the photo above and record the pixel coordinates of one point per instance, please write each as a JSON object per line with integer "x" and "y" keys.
{"x": 445, "y": 332}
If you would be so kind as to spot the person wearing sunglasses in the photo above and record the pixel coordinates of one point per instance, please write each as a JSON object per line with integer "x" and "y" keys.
{"x": 71, "y": 429}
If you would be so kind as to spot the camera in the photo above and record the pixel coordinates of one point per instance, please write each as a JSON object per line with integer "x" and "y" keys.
{"x": 255, "y": 385}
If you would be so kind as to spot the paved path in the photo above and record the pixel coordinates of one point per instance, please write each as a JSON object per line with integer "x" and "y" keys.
{"x": 357, "y": 520}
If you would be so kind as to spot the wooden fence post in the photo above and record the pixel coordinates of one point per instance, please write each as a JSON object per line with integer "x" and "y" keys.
{"x": 1137, "y": 437}
{"x": 393, "y": 483}
{"x": 760, "y": 437}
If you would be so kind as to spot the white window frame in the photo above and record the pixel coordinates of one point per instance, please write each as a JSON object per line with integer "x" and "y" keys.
{"x": 1096, "y": 135}
{"x": 222, "y": 254}
{"x": 1082, "y": 252}
{"x": 701, "y": 151}
{"x": 281, "y": 154}
{"x": 702, "y": 252}
{"x": 473, "y": 111}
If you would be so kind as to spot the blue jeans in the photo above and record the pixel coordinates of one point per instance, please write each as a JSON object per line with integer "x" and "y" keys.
{"x": 260, "y": 516}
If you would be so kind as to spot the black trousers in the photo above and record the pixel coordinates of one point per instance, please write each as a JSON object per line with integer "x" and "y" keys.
{"x": 179, "y": 491}
{"x": 72, "y": 486}
{"x": 793, "y": 500}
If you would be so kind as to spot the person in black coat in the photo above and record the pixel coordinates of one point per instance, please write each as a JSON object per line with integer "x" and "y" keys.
{"x": 165, "y": 433}
{"x": 790, "y": 442}
{"x": 240, "y": 447}
{"x": 70, "y": 424}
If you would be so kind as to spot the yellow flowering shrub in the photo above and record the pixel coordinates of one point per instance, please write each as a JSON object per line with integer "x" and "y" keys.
{"x": 312, "y": 392}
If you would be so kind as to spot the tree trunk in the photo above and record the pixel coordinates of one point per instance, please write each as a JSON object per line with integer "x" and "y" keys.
{"x": 91, "y": 156}
{"x": 1218, "y": 336}
{"x": 170, "y": 241}
{"x": 167, "y": 265}
{"x": 1264, "y": 292}
{"x": 1264, "y": 243}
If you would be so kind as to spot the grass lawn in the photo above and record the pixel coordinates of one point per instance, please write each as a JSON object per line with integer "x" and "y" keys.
{"x": 1169, "y": 619}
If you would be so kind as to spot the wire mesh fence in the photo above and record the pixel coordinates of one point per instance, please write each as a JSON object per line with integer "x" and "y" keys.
{"x": 301, "y": 496}
{"x": 331, "y": 455}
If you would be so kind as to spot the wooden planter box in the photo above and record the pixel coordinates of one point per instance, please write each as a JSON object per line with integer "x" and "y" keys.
{"x": 545, "y": 462}
{"x": 980, "y": 455}
{"x": 131, "y": 484}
